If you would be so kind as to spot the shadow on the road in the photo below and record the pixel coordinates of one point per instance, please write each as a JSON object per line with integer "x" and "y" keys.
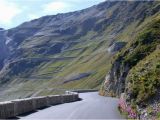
{"x": 28, "y": 113}
{"x": 14, "y": 118}
{"x": 79, "y": 99}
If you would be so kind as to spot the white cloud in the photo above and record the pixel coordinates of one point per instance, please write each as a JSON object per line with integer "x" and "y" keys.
{"x": 14, "y": 12}
{"x": 56, "y": 7}
{"x": 33, "y": 16}
{"x": 63, "y": 6}
{"x": 8, "y": 11}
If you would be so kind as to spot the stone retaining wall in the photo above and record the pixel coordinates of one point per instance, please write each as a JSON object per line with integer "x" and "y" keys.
{"x": 55, "y": 99}
{"x": 20, "y": 106}
{"x": 6, "y": 109}
{"x": 23, "y": 106}
{"x": 40, "y": 102}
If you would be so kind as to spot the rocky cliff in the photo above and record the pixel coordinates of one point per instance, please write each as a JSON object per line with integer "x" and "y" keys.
{"x": 135, "y": 70}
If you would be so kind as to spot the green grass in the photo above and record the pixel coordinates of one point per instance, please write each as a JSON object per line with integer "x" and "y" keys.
{"x": 142, "y": 54}
{"x": 91, "y": 58}
{"x": 145, "y": 77}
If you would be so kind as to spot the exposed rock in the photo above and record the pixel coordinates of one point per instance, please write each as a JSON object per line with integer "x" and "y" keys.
{"x": 135, "y": 72}
{"x": 115, "y": 79}
{"x": 117, "y": 46}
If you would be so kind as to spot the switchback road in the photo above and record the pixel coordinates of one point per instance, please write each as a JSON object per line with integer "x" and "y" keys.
{"x": 92, "y": 106}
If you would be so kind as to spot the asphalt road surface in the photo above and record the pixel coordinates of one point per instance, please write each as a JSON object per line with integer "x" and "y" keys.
{"x": 92, "y": 106}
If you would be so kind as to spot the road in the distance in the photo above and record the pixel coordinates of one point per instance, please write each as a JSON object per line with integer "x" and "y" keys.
{"x": 92, "y": 106}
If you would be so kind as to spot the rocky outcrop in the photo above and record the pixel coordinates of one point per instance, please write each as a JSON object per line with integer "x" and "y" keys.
{"x": 115, "y": 47}
{"x": 135, "y": 73}
{"x": 115, "y": 79}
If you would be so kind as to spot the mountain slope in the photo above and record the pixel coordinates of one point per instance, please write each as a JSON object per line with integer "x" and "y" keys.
{"x": 135, "y": 70}
{"x": 68, "y": 51}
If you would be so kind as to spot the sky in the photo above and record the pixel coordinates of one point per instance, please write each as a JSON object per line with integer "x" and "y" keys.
{"x": 15, "y": 12}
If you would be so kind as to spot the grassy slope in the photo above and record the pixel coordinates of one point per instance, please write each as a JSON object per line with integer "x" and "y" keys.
{"x": 142, "y": 54}
{"x": 144, "y": 76}
{"x": 89, "y": 58}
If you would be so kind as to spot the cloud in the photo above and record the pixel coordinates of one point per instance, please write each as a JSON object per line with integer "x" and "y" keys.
{"x": 56, "y": 7}
{"x": 63, "y": 6}
{"x": 14, "y": 12}
{"x": 32, "y": 16}
{"x": 8, "y": 11}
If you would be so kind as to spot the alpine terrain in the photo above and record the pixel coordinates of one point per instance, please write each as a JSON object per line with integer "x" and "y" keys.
{"x": 113, "y": 46}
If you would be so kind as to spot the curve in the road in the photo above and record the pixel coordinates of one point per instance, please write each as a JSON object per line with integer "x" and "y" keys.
{"x": 92, "y": 106}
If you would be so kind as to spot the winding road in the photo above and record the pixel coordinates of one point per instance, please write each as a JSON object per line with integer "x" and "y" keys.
{"x": 92, "y": 106}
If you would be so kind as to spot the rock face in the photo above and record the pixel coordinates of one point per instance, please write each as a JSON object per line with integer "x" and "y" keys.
{"x": 115, "y": 80}
{"x": 57, "y": 46}
{"x": 117, "y": 46}
{"x": 135, "y": 72}
{"x": 125, "y": 65}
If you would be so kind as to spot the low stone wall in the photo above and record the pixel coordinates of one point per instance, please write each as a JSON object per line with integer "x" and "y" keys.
{"x": 40, "y": 102}
{"x": 20, "y": 106}
{"x": 55, "y": 99}
{"x": 6, "y": 109}
{"x": 23, "y": 106}
{"x": 67, "y": 98}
